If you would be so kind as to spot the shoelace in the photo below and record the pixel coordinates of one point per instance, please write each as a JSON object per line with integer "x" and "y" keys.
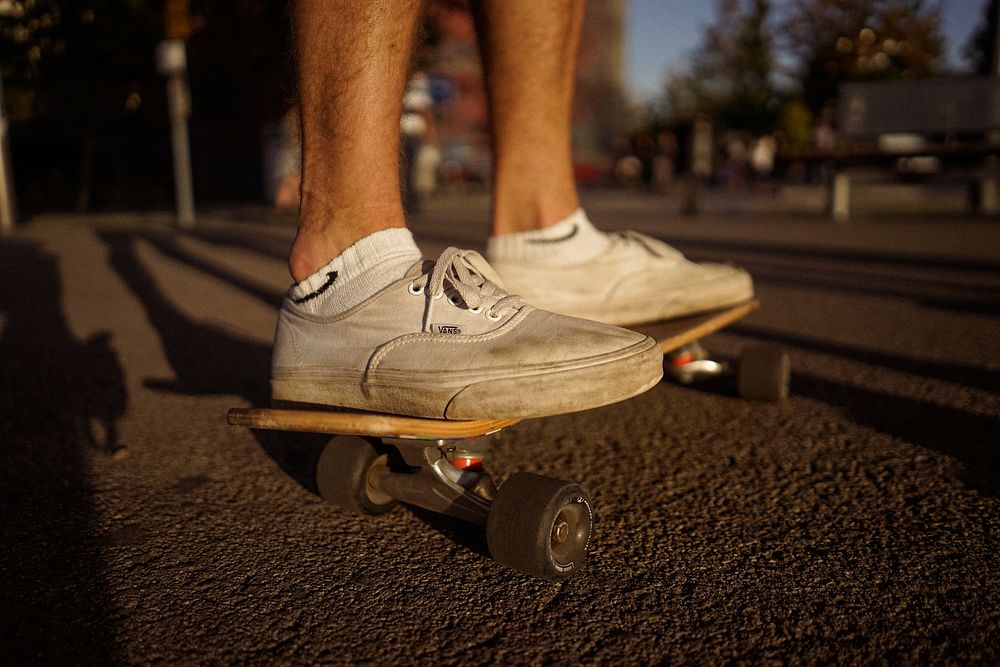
{"x": 629, "y": 237}
{"x": 651, "y": 245}
{"x": 471, "y": 279}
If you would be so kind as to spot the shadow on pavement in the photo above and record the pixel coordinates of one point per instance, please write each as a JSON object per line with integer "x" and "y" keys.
{"x": 853, "y": 274}
{"x": 956, "y": 297}
{"x": 266, "y": 246}
{"x": 165, "y": 243}
{"x": 970, "y": 306}
{"x": 207, "y": 359}
{"x": 964, "y": 374}
{"x": 967, "y": 437}
{"x": 458, "y": 531}
{"x": 723, "y": 249}
{"x": 60, "y": 402}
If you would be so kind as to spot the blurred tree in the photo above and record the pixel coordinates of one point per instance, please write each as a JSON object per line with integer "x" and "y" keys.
{"x": 796, "y": 125}
{"x": 981, "y": 49}
{"x": 854, "y": 40}
{"x": 73, "y": 73}
{"x": 241, "y": 81}
{"x": 731, "y": 74}
{"x": 87, "y": 105}
{"x": 45, "y": 42}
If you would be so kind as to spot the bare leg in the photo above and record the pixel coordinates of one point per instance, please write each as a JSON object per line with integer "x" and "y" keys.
{"x": 352, "y": 65}
{"x": 529, "y": 58}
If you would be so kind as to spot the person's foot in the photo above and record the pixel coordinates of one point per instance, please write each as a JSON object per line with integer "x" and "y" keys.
{"x": 444, "y": 340}
{"x": 619, "y": 278}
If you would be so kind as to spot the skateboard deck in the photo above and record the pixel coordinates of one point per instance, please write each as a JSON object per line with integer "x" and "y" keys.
{"x": 676, "y": 333}
{"x": 372, "y": 424}
{"x": 670, "y": 334}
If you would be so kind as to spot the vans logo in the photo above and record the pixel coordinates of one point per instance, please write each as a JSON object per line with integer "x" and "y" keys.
{"x": 446, "y": 328}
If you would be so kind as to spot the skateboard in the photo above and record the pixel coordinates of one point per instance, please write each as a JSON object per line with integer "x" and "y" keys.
{"x": 535, "y": 524}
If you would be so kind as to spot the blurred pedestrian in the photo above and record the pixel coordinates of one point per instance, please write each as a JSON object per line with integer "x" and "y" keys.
{"x": 664, "y": 161}
{"x": 735, "y": 165}
{"x": 418, "y": 133}
{"x": 287, "y": 161}
{"x": 762, "y": 154}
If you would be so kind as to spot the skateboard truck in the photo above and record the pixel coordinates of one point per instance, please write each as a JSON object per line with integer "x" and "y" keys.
{"x": 433, "y": 482}
{"x": 763, "y": 372}
{"x": 690, "y": 363}
{"x": 535, "y": 524}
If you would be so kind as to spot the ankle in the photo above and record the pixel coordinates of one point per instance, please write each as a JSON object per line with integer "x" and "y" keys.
{"x": 326, "y": 231}
{"x": 356, "y": 273}
{"x": 524, "y": 206}
{"x": 310, "y": 252}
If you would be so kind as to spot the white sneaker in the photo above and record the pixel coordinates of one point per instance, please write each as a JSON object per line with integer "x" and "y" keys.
{"x": 447, "y": 341}
{"x": 635, "y": 279}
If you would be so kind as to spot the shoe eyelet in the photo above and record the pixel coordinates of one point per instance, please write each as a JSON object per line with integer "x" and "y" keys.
{"x": 476, "y": 310}
{"x": 414, "y": 290}
{"x": 493, "y": 317}
{"x": 454, "y": 300}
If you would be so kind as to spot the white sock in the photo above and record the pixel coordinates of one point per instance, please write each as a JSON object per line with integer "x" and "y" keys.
{"x": 357, "y": 273}
{"x": 572, "y": 241}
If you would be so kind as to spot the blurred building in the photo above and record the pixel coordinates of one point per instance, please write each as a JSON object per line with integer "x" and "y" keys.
{"x": 599, "y": 110}
{"x": 462, "y": 111}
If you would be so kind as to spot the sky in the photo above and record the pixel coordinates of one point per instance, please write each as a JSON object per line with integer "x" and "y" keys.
{"x": 662, "y": 33}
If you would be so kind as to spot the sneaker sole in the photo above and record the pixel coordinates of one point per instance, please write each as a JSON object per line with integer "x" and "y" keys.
{"x": 533, "y": 393}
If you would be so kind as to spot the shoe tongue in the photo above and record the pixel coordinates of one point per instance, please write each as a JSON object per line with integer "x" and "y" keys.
{"x": 419, "y": 268}
{"x": 473, "y": 259}
{"x": 658, "y": 247}
{"x": 668, "y": 251}
{"x": 479, "y": 263}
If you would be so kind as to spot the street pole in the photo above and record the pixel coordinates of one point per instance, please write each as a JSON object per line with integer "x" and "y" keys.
{"x": 8, "y": 203}
{"x": 996, "y": 41}
{"x": 699, "y": 166}
{"x": 179, "y": 109}
{"x": 171, "y": 62}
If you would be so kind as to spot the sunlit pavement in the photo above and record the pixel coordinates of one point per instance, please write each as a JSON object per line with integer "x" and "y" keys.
{"x": 855, "y": 522}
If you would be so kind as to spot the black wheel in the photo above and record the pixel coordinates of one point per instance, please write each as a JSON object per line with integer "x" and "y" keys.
{"x": 540, "y": 526}
{"x": 347, "y": 476}
{"x": 765, "y": 373}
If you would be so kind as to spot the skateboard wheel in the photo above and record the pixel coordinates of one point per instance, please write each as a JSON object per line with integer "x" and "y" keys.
{"x": 540, "y": 526}
{"x": 765, "y": 373}
{"x": 347, "y": 476}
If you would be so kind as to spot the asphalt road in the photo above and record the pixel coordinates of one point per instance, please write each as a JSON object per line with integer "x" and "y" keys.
{"x": 856, "y": 522}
